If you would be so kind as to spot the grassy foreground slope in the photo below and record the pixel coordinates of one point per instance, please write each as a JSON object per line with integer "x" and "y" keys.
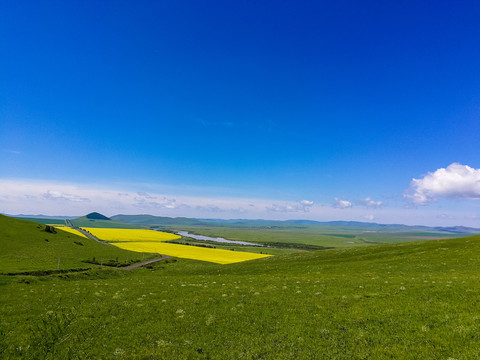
{"x": 417, "y": 300}
{"x": 26, "y": 246}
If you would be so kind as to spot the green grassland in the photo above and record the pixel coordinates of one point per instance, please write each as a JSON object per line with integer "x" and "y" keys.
{"x": 335, "y": 227}
{"x": 26, "y": 246}
{"x": 293, "y": 237}
{"x": 43, "y": 221}
{"x": 413, "y": 300}
{"x": 307, "y": 235}
{"x": 299, "y": 233}
{"x": 234, "y": 247}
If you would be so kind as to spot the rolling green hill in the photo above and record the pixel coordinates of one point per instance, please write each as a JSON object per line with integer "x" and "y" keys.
{"x": 41, "y": 220}
{"x": 26, "y": 246}
{"x": 96, "y": 216}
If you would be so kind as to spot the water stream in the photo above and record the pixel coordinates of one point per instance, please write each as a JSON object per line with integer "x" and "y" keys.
{"x": 218, "y": 239}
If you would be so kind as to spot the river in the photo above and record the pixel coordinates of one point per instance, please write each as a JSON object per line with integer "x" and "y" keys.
{"x": 218, "y": 239}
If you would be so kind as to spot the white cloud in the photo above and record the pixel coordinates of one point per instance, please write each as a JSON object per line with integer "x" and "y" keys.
{"x": 57, "y": 195}
{"x": 35, "y": 197}
{"x": 341, "y": 204}
{"x": 457, "y": 181}
{"x": 53, "y": 198}
{"x": 300, "y": 206}
{"x": 444, "y": 216}
{"x": 154, "y": 202}
{"x": 15, "y": 152}
{"x": 370, "y": 203}
{"x": 369, "y": 217}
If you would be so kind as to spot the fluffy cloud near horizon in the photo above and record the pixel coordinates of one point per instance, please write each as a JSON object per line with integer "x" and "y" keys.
{"x": 370, "y": 203}
{"x": 341, "y": 204}
{"x": 301, "y": 206}
{"x": 457, "y": 181}
{"x": 34, "y": 197}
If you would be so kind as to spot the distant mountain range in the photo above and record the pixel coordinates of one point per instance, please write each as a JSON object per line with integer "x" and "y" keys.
{"x": 151, "y": 220}
{"x": 40, "y": 216}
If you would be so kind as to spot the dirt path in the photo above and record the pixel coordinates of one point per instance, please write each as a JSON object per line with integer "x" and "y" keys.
{"x": 88, "y": 235}
{"x": 134, "y": 266}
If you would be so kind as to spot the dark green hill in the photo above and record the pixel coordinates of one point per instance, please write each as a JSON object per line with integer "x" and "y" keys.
{"x": 96, "y": 216}
{"x": 26, "y": 246}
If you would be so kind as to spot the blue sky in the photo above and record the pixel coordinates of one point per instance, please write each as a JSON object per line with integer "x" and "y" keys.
{"x": 264, "y": 103}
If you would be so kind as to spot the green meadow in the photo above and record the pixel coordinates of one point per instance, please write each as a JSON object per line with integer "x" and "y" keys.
{"x": 308, "y": 236}
{"x": 412, "y": 300}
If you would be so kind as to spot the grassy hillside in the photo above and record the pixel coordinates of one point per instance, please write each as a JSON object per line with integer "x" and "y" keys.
{"x": 414, "y": 300}
{"x": 43, "y": 221}
{"x": 26, "y": 246}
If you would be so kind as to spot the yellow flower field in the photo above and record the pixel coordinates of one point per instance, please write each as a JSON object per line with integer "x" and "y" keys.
{"x": 190, "y": 252}
{"x": 151, "y": 241}
{"x": 130, "y": 234}
{"x": 70, "y": 230}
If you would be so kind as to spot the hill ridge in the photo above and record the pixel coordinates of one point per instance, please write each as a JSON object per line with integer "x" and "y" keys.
{"x": 96, "y": 216}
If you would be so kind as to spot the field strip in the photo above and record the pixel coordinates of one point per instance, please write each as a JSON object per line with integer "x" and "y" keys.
{"x": 70, "y": 230}
{"x": 151, "y": 241}
{"x": 130, "y": 234}
{"x": 218, "y": 256}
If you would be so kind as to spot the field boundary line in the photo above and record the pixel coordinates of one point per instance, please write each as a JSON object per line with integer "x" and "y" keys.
{"x": 134, "y": 266}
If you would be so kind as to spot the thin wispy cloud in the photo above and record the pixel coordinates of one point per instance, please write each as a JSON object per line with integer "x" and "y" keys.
{"x": 370, "y": 203}
{"x": 57, "y": 195}
{"x": 301, "y": 206}
{"x": 48, "y": 198}
{"x": 218, "y": 124}
{"x": 10, "y": 151}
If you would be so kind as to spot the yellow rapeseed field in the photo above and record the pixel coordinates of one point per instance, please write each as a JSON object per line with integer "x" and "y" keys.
{"x": 131, "y": 234}
{"x": 70, "y": 230}
{"x": 151, "y": 241}
{"x": 190, "y": 252}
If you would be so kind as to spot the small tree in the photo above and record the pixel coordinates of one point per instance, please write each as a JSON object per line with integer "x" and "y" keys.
{"x": 50, "y": 229}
